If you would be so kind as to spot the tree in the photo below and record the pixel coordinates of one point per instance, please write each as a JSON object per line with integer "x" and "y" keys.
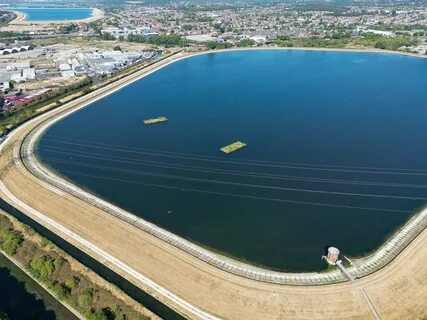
{"x": 245, "y": 43}
{"x": 168, "y": 40}
{"x": 107, "y": 36}
{"x": 117, "y": 48}
{"x": 42, "y": 266}
{"x": 96, "y": 315}
{"x": 380, "y": 45}
{"x": 61, "y": 291}
{"x": 187, "y": 27}
{"x": 211, "y": 44}
{"x": 10, "y": 240}
{"x": 85, "y": 298}
{"x": 72, "y": 282}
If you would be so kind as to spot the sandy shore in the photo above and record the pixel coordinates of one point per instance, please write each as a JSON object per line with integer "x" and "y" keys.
{"x": 20, "y": 16}
{"x": 20, "y": 19}
{"x": 360, "y": 50}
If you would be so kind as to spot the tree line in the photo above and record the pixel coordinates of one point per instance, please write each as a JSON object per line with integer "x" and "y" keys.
{"x": 44, "y": 261}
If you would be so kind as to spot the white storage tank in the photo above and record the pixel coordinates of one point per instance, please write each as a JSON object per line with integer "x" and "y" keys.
{"x": 333, "y": 254}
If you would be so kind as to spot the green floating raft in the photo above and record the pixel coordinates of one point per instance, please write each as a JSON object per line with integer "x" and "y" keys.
{"x": 156, "y": 120}
{"x": 233, "y": 147}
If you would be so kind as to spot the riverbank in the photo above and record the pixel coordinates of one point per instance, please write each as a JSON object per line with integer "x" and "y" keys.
{"x": 66, "y": 279}
{"x": 24, "y": 291}
{"x": 22, "y": 268}
{"x": 97, "y": 14}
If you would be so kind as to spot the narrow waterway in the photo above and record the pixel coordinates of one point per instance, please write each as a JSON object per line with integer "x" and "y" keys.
{"x": 154, "y": 305}
{"x": 22, "y": 298}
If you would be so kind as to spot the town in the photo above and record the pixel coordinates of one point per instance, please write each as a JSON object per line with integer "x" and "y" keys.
{"x": 38, "y": 57}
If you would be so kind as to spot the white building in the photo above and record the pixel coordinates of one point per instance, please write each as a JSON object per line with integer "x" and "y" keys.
{"x": 15, "y": 50}
{"x": 18, "y": 66}
{"x": 258, "y": 39}
{"x": 388, "y": 34}
{"x": 125, "y": 32}
{"x": 29, "y": 74}
{"x": 67, "y": 74}
{"x": 24, "y": 75}
{"x": 4, "y": 85}
{"x": 64, "y": 67}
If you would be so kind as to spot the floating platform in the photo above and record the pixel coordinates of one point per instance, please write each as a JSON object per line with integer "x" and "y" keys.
{"x": 156, "y": 120}
{"x": 233, "y": 147}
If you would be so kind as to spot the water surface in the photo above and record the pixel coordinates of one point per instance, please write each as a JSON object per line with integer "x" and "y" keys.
{"x": 335, "y": 151}
{"x": 21, "y": 298}
{"x": 55, "y": 14}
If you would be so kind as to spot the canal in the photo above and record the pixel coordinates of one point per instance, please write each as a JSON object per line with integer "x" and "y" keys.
{"x": 154, "y": 305}
{"x": 21, "y": 298}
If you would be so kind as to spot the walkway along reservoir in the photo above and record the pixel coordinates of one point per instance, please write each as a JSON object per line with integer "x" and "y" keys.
{"x": 323, "y": 150}
{"x": 180, "y": 273}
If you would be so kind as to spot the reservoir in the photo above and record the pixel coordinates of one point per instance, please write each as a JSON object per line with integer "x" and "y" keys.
{"x": 335, "y": 151}
{"x": 21, "y": 298}
{"x": 55, "y": 14}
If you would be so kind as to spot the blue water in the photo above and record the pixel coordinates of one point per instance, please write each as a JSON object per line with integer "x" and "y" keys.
{"x": 43, "y": 14}
{"x": 336, "y": 151}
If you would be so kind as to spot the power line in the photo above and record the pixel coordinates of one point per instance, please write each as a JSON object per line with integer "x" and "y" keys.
{"x": 58, "y": 139}
{"x": 249, "y": 174}
{"x": 239, "y": 184}
{"x": 234, "y": 194}
{"x": 239, "y": 162}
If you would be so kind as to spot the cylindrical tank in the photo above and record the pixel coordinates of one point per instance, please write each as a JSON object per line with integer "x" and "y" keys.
{"x": 333, "y": 254}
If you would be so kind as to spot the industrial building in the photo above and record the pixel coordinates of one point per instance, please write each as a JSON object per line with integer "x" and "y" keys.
{"x": 125, "y": 32}
{"x": 15, "y": 50}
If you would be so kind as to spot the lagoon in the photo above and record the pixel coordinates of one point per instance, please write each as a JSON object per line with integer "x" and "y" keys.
{"x": 55, "y": 14}
{"x": 334, "y": 151}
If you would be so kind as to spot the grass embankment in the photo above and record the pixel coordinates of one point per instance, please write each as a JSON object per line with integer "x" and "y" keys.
{"x": 68, "y": 280}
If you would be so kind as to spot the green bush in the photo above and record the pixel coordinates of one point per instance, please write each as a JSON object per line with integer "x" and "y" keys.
{"x": 10, "y": 240}
{"x": 246, "y": 43}
{"x": 42, "y": 266}
{"x": 96, "y": 315}
{"x": 3, "y": 316}
{"x": 61, "y": 291}
{"x": 85, "y": 298}
{"x": 72, "y": 282}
